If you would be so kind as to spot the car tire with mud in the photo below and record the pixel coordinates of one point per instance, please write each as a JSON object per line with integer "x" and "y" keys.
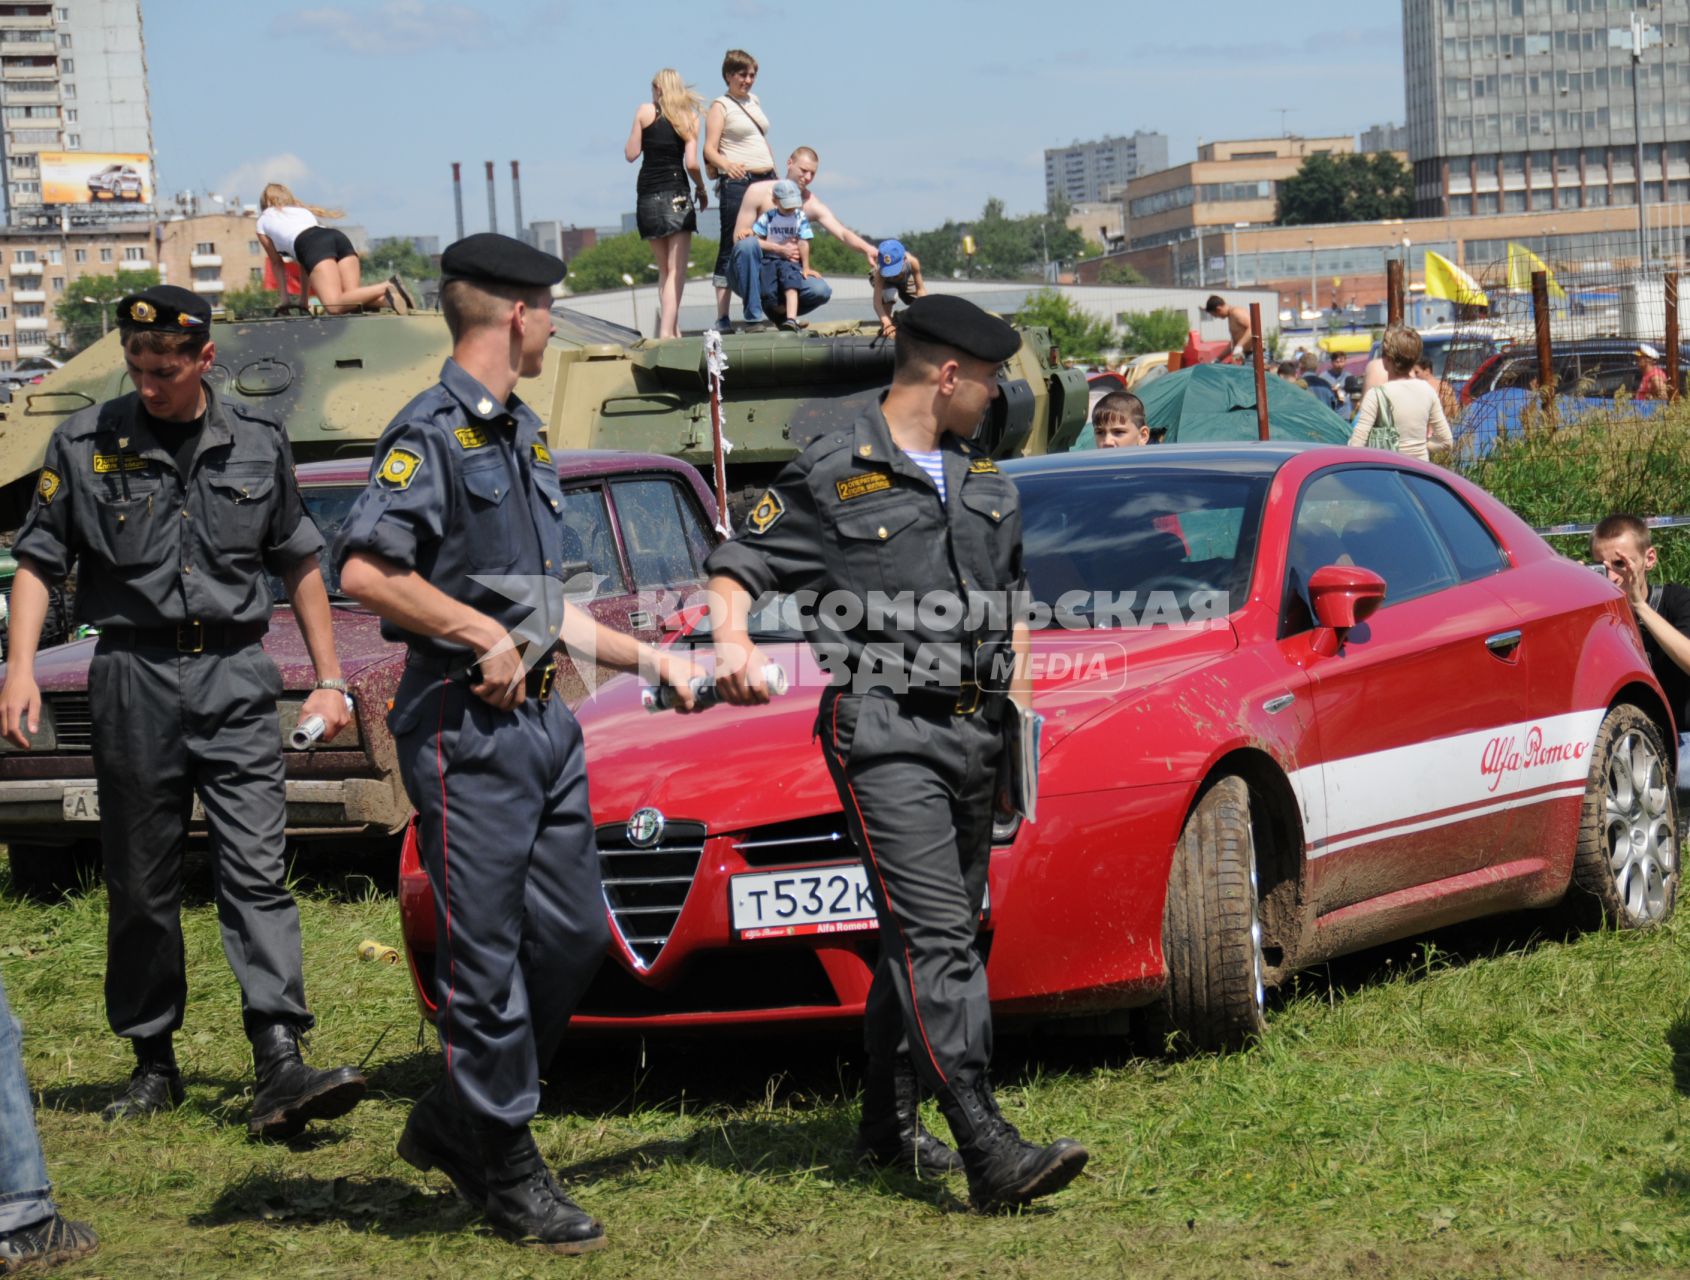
{"x": 46, "y": 872}
{"x": 1215, "y": 997}
{"x": 1626, "y": 871}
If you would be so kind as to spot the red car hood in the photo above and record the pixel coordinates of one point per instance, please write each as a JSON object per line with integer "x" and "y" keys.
{"x": 357, "y": 638}
{"x": 739, "y": 767}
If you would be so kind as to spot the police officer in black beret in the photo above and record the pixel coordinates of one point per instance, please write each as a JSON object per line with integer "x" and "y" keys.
{"x": 176, "y": 506}
{"x": 458, "y": 545}
{"x": 902, "y": 506}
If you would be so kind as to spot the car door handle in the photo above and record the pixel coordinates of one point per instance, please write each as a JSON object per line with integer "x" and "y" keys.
{"x": 640, "y": 620}
{"x": 1504, "y": 644}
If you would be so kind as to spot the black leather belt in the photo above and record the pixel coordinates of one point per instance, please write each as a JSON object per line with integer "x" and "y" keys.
{"x": 540, "y": 681}
{"x": 966, "y": 700}
{"x": 187, "y": 637}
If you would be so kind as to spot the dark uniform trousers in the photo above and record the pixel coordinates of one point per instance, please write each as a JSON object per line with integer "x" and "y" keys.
{"x": 506, "y": 836}
{"x": 467, "y": 495}
{"x": 169, "y": 724}
{"x": 175, "y": 554}
{"x": 917, "y": 790}
{"x": 855, "y": 515}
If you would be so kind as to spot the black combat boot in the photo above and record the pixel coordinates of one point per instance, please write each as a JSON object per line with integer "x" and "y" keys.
{"x": 1004, "y": 1170}
{"x": 154, "y": 1085}
{"x": 891, "y": 1135}
{"x": 524, "y": 1202}
{"x": 289, "y": 1093}
{"x": 436, "y": 1137}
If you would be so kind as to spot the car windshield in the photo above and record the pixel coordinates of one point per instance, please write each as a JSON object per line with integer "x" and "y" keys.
{"x": 328, "y": 505}
{"x": 1183, "y": 541}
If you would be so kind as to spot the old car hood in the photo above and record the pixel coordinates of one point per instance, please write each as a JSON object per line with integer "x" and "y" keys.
{"x": 357, "y": 639}
{"x": 739, "y": 767}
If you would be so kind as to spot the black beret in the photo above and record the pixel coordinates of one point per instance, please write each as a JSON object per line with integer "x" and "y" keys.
{"x": 491, "y": 258}
{"x": 956, "y": 322}
{"x": 165, "y": 308}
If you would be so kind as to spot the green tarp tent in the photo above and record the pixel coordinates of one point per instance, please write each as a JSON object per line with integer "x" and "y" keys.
{"x": 1218, "y": 402}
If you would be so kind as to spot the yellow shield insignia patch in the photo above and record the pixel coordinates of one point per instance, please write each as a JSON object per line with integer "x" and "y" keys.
{"x": 399, "y": 468}
{"x": 48, "y": 487}
{"x": 541, "y": 453}
{"x": 857, "y": 486}
{"x": 471, "y": 437}
{"x": 982, "y": 467}
{"x": 769, "y": 508}
{"x": 106, "y": 463}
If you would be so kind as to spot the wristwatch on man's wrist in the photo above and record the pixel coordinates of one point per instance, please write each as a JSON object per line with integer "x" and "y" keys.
{"x": 339, "y": 686}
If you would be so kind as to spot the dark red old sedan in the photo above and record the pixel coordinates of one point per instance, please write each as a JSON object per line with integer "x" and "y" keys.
{"x": 640, "y": 526}
{"x": 1300, "y": 700}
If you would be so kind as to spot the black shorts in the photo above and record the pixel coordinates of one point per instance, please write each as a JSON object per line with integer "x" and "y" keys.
{"x": 664, "y": 214}
{"x": 321, "y": 244}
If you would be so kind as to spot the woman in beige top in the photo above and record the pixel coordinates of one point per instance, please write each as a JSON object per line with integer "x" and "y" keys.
{"x": 737, "y": 151}
{"x": 1415, "y": 410}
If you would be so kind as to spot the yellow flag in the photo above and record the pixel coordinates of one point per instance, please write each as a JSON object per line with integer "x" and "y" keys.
{"x": 1446, "y": 280}
{"x": 1521, "y": 263}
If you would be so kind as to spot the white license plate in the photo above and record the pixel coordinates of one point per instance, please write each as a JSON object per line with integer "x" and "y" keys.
{"x": 82, "y": 804}
{"x": 792, "y": 904}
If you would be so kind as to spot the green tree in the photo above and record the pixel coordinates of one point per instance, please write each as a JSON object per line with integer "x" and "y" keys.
{"x": 1005, "y": 248}
{"x": 833, "y": 257}
{"x": 250, "y": 302}
{"x": 604, "y": 265}
{"x": 1076, "y": 334}
{"x": 1143, "y": 331}
{"x": 398, "y": 258}
{"x": 1350, "y": 188}
{"x": 1120, "y": 273}
{"x": 87, "y": 298}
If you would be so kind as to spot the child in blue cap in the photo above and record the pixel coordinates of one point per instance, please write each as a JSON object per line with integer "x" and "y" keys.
{"x": 775, "y": 228}
{"x": 897, "y": 277}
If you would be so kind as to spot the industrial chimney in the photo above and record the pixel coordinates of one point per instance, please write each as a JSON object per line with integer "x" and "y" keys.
{"x": 492, "y": 201}
{"x": 458, "y": 195}
{"x": 516, "y": 194}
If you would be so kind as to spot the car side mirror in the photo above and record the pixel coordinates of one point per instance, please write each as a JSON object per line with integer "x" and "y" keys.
{"x": 1343, "y": 596}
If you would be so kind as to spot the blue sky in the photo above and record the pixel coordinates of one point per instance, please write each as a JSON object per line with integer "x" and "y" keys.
{"x": 920, "y": 110}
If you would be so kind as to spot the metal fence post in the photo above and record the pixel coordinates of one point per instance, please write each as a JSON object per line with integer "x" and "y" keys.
{"x": 1545, "y": 358}
{"x": 1672, "y": 334}
{"x": 1259, "y": 359}
{"x": 1393, "y": 291}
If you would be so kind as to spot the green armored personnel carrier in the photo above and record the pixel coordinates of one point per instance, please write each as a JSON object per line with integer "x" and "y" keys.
{"x": 338, "y": 380}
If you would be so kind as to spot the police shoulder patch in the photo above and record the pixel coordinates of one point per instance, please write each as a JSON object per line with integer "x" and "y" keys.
{"x": 982, "y": 467}
{"x": 49, "y": 484}
{"x": 399, "y": 468}
{"x": 769, "y": 509}
{"x": 541, "y": 453}
{"x": 471, "y": 437}
{"x": 857, "y": 486}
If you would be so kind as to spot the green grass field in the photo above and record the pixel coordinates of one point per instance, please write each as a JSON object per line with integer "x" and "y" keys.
{"x": 1500, "y": 1101}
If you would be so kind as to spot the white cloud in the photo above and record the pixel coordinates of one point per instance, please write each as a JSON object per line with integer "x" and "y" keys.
{"x": 393, "y": 27}
{"x": 249, "y": 179}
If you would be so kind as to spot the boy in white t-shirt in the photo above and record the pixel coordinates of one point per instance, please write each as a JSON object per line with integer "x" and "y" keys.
{"x": 779, "y": 226}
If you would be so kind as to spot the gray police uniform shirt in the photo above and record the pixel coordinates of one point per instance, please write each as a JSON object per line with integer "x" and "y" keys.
{"x": 939, "y": 583}
{"x": 154, "y": 547}
{"x": 465, "y": 492}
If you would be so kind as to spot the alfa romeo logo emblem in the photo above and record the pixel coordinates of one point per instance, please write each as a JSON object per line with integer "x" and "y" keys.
{"x": 645, "y": 828}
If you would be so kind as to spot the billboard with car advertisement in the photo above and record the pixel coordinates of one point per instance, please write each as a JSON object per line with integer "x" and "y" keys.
{"x": 95, "y": 177}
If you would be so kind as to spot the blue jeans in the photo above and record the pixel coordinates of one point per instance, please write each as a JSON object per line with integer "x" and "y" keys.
{"x": 747, "y": 278}
{"x": 24, "y": 1193}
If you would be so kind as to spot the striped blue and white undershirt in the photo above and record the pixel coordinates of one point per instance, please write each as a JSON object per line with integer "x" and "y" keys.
{"x": 934, "y": 465}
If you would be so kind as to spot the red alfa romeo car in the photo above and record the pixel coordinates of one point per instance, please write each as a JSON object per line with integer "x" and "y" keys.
{"x": 1300, "y": 700}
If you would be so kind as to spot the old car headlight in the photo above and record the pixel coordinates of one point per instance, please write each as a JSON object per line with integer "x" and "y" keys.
{"x": 46, "y": 738}
{"x": 1004, "y": 829}
{"x": 288, "y": 711}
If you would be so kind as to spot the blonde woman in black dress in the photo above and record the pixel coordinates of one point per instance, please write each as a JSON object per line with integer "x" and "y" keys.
{"x": 663, "y": 137}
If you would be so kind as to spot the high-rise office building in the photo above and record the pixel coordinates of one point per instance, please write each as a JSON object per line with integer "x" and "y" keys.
{"x": 1521, "y": 106}
{"x": 1093, "y": 172}
{"x": 73, "y": 85}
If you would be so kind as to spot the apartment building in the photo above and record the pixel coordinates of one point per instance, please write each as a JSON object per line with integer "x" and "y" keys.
{"x": 1095, "y": 172}
{"x": 1519, "y": 106}
{"x": 73, "y": 80}
{"x": 211, "y": 253}
{"x": 38, "y": 270}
